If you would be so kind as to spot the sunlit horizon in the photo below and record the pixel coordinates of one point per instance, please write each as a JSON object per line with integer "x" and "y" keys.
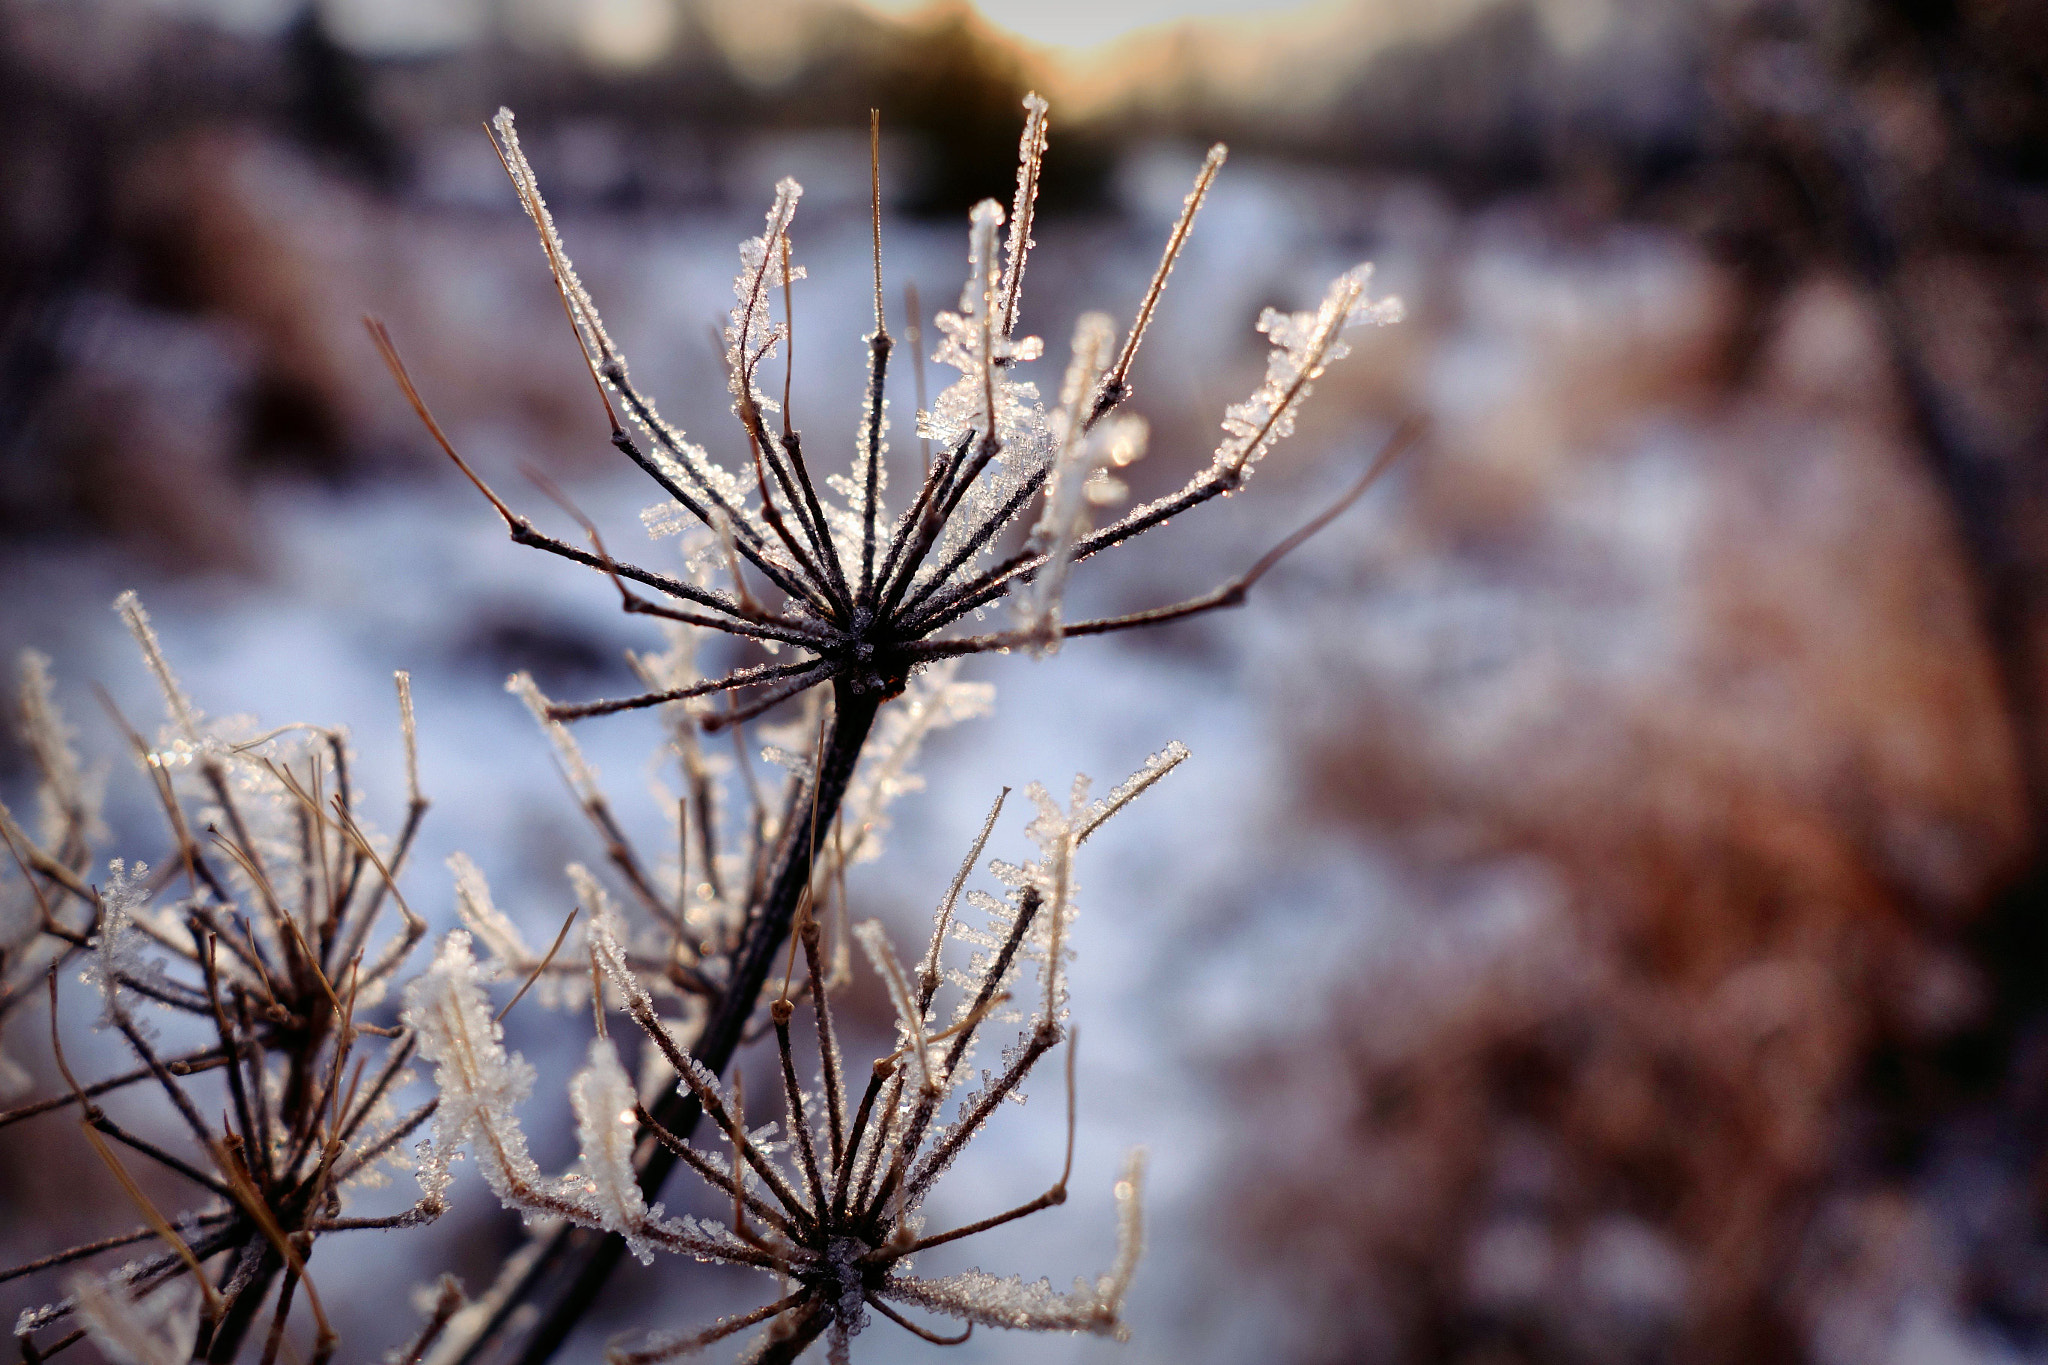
{"x": 1076, "y": 28}
{"x": 1278, "y": 50}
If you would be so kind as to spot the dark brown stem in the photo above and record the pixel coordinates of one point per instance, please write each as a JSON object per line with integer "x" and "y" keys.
{"x": 177, "y": 1066}
{"x": 226, "y": 1341}
{"x": 571, "y": 1271}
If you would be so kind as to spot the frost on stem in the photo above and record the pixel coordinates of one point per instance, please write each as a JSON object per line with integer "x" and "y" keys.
{"x": 1130, "y": 789}
{"x": 985, "y": 404}
{"x": 606, "y": 1123}
{"x": 862, "y": 598}
{"x": 129, "y": 605}
{"x": 478, "y": 1083}
{"x": 1115, "y": 386}
{"x": 1304, "y": 344}
{"x": 119, "y": 965}
{"x": 37, "y": 926}
{"x": 673, "y": 458}
{"x": 911, "y": 1044}
{"x": 154, "y": 1329}
{"x": 1090, "y": 1306}
{"x": 582, "y": 311}
{"x": 1082, "y": 477}
{"x": 750, "y": 335}
{"x": 615, "y": 966}
{"x": 581, "y": 776}
{"x": 489, "y": 926}
{"x": 1023, "y": 208}
{"x": 480, "y": 1088}
{"x": 68, "y": 800}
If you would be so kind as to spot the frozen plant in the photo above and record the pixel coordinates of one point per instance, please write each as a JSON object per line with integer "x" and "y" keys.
{"x": 849, "y": 600}
{"x": 262, "y": 927}
{"x": 42, "y": 920}
{"x": 695, "y": 910}
{"x": 276, "y": 927}
{"x": 838, "y": 1223}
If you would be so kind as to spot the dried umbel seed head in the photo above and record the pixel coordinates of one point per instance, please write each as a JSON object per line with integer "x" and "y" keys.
{"x": 867, "y": 597}
{"x": 268, "y": 928}
{"x": 837, "y": 1216}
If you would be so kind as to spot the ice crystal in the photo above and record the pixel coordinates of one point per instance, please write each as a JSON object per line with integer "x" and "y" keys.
{"x": 750, "y": 336}
{"x": 1130, "y": 789}
{"x": 1081, "y": 474}
{"x": 612, "y": 960}
{"x": 68, "y": 798}
{"x": 986, "y": 402}
{"x": 509, "y": 953}
{"x": 183, "y": 713}
{"x": 607, "y": 1123}
{"x": 118, "y": 964}
{"x": 1304, "y": 345}
{"x": 575, "y": 767}
{"x": 582, "y": 311}
{"x": 157, "y": 1329}
{"x": 479, "y": 1084}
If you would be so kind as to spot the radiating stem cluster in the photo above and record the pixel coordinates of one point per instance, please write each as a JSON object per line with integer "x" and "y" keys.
{"x": 279, "y": 889}
{"x": 837, "y": 1220}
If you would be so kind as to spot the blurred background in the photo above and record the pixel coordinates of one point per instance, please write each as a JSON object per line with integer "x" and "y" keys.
{"x": 1603, "y": 918}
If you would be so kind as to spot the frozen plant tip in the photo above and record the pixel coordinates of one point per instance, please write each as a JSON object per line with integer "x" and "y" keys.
{"x": 836, "y": 1218}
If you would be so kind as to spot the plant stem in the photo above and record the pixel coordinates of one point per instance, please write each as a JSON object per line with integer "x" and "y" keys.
{"x": 567, "y": 1277}
{"x": 225, "y": 1340}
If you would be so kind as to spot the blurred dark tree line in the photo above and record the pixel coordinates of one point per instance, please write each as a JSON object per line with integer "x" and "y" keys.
{"x": 123, "y": 212}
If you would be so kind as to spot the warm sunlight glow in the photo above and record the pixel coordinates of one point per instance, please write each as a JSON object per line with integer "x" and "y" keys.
{"x": 627, "y": 33}
{"x": 1075, "y": 25}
